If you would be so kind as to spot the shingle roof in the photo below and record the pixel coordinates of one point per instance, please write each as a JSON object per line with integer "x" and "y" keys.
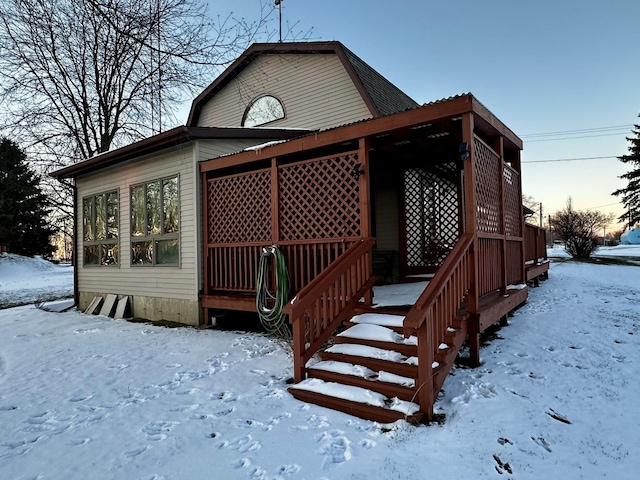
{"x": 386, "y": 96}
{"x": 381, "y": 96}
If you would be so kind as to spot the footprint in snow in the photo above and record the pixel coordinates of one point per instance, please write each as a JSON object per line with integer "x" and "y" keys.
{"x": 79, "y": 441}
{"x": 287, "y": 470}
{"x": 336, "y": 448}
{"x": 541, "y": 441}
{"x": 245, "y": 444}
{"x": 157, "y": 431}
{"x": 135, "y": 451}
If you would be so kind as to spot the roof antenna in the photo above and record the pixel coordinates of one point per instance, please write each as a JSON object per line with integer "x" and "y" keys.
{"x": 278, "y": 3}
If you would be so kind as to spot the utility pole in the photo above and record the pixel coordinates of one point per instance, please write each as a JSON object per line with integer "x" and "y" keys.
{"x": 541, "y": 215}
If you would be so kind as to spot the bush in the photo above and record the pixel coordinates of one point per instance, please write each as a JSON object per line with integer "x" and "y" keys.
{"x": 579, "y": 229}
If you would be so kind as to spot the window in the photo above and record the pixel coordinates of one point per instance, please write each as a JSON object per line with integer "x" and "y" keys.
{"x": 100, "y": 225}
{"x": 155, "y": 223}
{"x": 263, "y": 110}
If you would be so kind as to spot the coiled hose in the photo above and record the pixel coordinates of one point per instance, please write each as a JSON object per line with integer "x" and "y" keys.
{"x": 268, "y": 304}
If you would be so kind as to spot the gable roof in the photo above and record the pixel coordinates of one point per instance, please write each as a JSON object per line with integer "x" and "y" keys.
{"x": 379, "y": 94}
{"x": 172, "y": 138}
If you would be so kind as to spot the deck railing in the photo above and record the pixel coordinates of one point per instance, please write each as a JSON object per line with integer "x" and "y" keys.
{"x": 535, "y": 243}
{"x": 321, "y": 306}
{"x": 233, "y": 267}
{"x": 435, "y": 311}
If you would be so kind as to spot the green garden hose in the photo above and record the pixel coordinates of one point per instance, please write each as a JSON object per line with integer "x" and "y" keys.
{"x": 270, "y": 305}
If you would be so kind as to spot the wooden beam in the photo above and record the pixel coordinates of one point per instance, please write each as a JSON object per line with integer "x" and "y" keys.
{"x": 499, "y": 148}
{"x": 490, "y": 119}
{"x": 365, "y": 178}
{"x": 471, "y": 226}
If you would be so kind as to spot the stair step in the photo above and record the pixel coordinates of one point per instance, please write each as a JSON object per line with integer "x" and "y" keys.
{"x": 380, "y": 337}
{"x": 386, "y": 383}
{"x": 356, "y": 401}
{"x": 377, "y": 359}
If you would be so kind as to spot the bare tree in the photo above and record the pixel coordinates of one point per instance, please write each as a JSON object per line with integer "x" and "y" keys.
{"x": 579, "y": 230}
{"x": 81, "y": 77}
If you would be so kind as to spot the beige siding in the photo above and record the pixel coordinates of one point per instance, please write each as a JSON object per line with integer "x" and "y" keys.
{"x": 165, "y": 282}
{"x": 316, "y": 92}
{"x": 387, "y": 229}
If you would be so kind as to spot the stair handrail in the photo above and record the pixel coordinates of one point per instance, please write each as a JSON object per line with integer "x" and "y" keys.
{"x": 417, "y": 314}
{"x": 332, "y": 297}
{"x": 452, "y": 278}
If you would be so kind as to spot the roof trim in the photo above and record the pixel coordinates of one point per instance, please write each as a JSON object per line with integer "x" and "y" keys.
{"x": 172, "y": 138}
{"x": 304, "y": 48}
{"x": 448, "y": 107}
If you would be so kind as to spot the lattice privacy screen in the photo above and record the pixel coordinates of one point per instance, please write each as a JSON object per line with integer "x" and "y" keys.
{"x": 319, "y": 199}
{"x": 488, "y": 177}
{"x": 512, "y": 203}
{"x": 431, "y": 217}
{"x": 240, "y": 208}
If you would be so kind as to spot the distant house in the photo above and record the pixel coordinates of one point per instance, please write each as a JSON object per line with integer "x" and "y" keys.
{"x": 306, "y": 147}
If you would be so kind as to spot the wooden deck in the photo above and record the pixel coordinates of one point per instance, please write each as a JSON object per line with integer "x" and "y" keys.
{"x": 459, "y": 217}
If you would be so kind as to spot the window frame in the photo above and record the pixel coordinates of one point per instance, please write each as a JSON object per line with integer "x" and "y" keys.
{"x": 107, "y": 240}
{"x": 253, "y": 102}
{"x": 149, "y": 237}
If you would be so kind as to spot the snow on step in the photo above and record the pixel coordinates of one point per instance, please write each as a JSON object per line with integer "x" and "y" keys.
{"x": 377, "y": 333}
{"x": 368, "y": 352}
{"x": 383, "y": 319}
{"x": 357, "y": 394}
{"x": 363, "y": 372}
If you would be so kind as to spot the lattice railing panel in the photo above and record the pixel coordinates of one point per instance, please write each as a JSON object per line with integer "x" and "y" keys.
{"x": 319, "y": 198}
{"x": 239, "y": 208}
{"x": 431, "y": 217}
{"x": 512, "y": 203}
{"x": 488, "y": 177}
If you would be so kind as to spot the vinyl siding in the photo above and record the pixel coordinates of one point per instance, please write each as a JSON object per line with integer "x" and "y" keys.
{"x": 315, "y": 90}
{"x": 168, "y": 282}
{"x": 387, "y": 229}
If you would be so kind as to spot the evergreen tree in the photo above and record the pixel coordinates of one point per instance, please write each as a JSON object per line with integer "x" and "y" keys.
{"x": 23, "y": 210}
{"x": 631, "y": 193}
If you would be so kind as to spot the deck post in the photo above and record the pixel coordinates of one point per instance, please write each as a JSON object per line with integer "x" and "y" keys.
{"x": 518, "y": 168}
{"x": 275, "y": 204}
{"x": 471, "y": 225}
{"x": 499, "y": 148}
{"x": 365, "y": 210}
{"x": 474, "y": 349}
{"x": 426, "y": 395}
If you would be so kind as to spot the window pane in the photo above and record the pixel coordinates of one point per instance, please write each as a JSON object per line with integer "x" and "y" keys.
{"x": 142, "y": 253}
{"x": 264, "y": 110}
{"x": 153, "y": 208}
{"x": 137, "y": 211}
{"x": 109, "y": 254}
{"x": 92, "y": 255}
{"x": 170, "y": 205}
{"x": 168, "y": 252}
{"x": 101, "y": 217}
{"x": 112, "y": 215}
{"x": 87, "y": 217}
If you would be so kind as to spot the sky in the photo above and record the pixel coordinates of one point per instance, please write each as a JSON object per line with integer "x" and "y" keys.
{"x": 541, "y": 67}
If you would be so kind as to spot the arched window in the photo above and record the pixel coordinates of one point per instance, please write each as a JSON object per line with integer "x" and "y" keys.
{"x": 263, "y": 109}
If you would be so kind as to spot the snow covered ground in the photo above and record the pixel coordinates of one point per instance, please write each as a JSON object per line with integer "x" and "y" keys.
{"x": 91, "y": 397}
{"x": 26, "y": 280}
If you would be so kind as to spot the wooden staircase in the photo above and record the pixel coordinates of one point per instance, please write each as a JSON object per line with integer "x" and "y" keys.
{"x": 371, "y": 370}
{"x": 386, "y": 366}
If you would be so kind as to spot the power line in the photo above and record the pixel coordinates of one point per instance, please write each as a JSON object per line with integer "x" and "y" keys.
{"x": 574, "y": 138}
{"x": 579, "y": 131}
{"x": 579, "y": 159}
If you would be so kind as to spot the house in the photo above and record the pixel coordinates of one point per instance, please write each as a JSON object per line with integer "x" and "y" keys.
{"x": 306, "y": 147}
